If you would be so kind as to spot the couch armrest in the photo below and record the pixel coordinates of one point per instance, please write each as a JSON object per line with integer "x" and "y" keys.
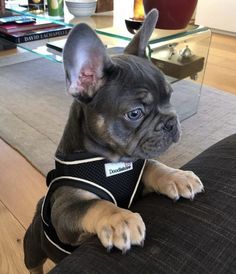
{"x": 182, "y": 237}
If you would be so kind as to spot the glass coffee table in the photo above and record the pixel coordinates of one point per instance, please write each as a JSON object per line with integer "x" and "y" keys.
{"x": 180, "y": 54}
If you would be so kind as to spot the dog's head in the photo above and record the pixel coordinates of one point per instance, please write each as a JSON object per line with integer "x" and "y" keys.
{"x": 125, "y": 98}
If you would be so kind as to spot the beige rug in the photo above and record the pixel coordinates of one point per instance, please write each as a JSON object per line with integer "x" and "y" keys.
{"x": 34, "y": 110}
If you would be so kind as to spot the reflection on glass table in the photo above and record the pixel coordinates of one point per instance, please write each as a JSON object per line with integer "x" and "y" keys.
{"x": 180, "y": 54}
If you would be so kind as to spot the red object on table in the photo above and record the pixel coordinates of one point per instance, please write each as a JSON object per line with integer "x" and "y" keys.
{"x": 173, "y": 14}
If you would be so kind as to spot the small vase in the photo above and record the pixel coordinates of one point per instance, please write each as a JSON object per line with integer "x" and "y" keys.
{"x": 173, "y": 14}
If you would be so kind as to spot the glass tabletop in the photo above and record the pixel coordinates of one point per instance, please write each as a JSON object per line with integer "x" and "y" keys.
{"x": 111, "y": 24}
{"x": 111, "y": 28}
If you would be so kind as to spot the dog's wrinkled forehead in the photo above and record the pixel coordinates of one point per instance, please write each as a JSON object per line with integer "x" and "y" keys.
{"x": 132, "y": 83}
{"x": 138, "y": 77}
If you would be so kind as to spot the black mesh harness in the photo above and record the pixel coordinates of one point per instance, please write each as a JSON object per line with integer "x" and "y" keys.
{"x": 114, "y": 182}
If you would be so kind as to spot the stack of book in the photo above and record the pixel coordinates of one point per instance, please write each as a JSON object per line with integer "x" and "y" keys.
{"x": 21, "y": 29}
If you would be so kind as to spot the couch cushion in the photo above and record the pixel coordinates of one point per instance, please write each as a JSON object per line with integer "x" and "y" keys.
{"x": 182, "y": 237}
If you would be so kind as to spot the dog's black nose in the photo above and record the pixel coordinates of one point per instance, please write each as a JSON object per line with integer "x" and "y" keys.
{"x": 170, "y": 125}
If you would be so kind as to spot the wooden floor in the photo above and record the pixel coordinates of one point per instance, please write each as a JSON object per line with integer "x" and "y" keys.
{"x": 221, "y": 66}
{"x": 21, "y": 185}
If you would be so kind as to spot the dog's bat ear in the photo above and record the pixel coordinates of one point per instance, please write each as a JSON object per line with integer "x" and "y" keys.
{"x": 138, "y": 44}
{"x": 85, "y": 59}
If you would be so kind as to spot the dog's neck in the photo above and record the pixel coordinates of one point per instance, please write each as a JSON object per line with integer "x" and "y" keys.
{"x": 75, "y": 137}
{"x": 72, "y": 138}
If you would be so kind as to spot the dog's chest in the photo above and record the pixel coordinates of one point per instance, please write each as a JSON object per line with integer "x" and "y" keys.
{"x": 115, "y": 182}
{"x": 118, "y": 183}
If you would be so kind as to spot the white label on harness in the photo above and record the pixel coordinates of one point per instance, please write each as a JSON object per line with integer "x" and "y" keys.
{"x": 117, "y": 168}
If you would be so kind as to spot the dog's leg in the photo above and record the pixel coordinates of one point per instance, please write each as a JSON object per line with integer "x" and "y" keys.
{"x": 174, "y": 183}
{"x": 114, "y": 226}
{"x": 37, "y": 270}
{"x": 34, "y": 255}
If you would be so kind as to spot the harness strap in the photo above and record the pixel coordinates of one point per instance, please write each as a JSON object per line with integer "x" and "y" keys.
{"x": 90, "y": 175}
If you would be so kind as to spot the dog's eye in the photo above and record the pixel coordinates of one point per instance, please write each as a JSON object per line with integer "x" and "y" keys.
{"x": 134, "y": 114}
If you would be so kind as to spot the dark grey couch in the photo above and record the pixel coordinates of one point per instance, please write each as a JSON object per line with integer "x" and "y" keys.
{"x": 183, "y": 237}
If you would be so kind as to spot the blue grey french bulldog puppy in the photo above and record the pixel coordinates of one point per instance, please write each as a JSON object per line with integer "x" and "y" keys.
{"x": 121, "y": 119}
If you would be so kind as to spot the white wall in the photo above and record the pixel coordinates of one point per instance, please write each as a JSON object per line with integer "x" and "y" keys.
{"x": 123, "y": 9}
{"x": 217, "y": 14}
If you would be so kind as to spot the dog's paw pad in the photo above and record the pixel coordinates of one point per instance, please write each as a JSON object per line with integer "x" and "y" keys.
{"x": 121, "y": 230}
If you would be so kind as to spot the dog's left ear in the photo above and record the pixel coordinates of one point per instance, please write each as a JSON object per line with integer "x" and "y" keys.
{"x": 85, "y": 59}
{"x": 138, "y": 44}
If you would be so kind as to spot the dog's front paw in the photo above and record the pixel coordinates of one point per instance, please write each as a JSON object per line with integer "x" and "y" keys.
{"x": 121, "y": 229}
{"x": 180, "y": 183}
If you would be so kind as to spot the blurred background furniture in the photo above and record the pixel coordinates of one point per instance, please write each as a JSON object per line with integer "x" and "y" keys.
{"x": 104, "y": 5}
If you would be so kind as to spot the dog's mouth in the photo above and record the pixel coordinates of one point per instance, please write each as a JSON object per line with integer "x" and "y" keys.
{"x": 153, "y": 146}
{"x": 150, "y": 148}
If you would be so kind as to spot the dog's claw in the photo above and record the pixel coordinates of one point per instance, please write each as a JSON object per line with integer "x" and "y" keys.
{"x": 109, "y": 248}
{"x": 124, "y": 250}
{"x": 142, "y": 243}
{"x": 176, "y": 199}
